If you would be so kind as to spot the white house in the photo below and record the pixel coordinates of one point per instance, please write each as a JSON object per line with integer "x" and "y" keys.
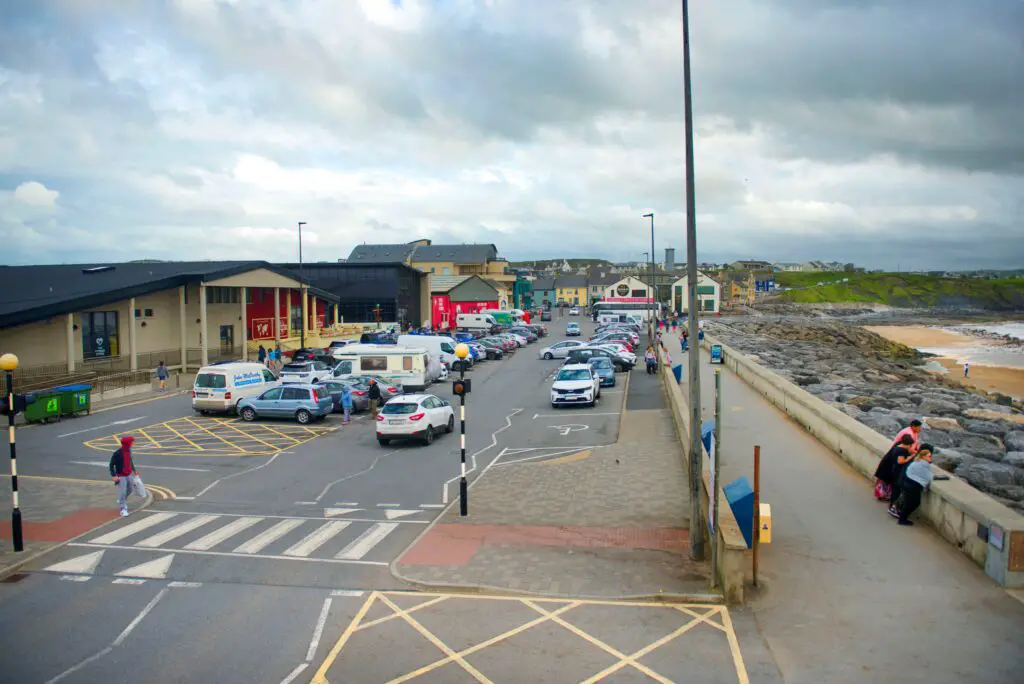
{"x": 709, "y": 294}
{"x": 625, "y": 288}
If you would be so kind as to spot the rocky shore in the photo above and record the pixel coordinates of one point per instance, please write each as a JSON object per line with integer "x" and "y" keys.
{"x": 979, "y": 436}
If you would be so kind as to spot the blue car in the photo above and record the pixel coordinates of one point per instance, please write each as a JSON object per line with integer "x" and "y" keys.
{"x": 302, "y": 403}
{"x": 605, "y": 370}
{"x": 465, "y": 337}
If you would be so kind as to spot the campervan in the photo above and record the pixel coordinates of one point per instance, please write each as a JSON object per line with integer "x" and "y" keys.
{"x": 480, "y": 322}
{"x": 408, "y": 366}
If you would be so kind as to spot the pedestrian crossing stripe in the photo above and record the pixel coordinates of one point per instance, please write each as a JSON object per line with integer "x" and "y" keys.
{"x": 154, "y": 569}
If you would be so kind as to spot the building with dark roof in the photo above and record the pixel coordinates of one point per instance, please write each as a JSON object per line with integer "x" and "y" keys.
{"x": 544, "y": 292}
{"x": 125, "y": 316}
{"x": 465, "y": 259}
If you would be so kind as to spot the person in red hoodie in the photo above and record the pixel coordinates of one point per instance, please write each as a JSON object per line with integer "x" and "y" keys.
{"x": 122, "y": 469}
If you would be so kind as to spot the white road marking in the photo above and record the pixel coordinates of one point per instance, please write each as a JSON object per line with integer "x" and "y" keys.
{"x": 217, "y": 536}
{"x": 361, "y": 472}
{"x": 138, "y": 618}
{"x": 318, "y": 630}
{"x": 185, "y": 498}
{"x": 269, "y": 536}
{"x": 230, "y": 554}
{"x": 71, "y": 670}
{"x": 83, "y": 565}
{"x": 494, "y": 443}
{"x": 564, "y": 430}
{"x": 102, "y": 464}
{"x": 431, "y": 505}
{"x": 243, "y": 472}
{"x": 392, "y": 513}
{"x": 346, "y": 503}
{"x": 128, "y": 580}
{"x": 161, "y": 538}
{"x": 586, "y": 414}
{"x": 295, "y": 673}
{"x": 76, "y": 578}
{"x": 299, "y": 517}
{"x": 353, "y": 593}
{"x": 305, "y": 503}
{"x": 128, "y": 530}
{"x": 365, "y": 542}
{"x": 154, "y": 569}
{"x": 186, "y": 585}
{"x": 388, "y": 505}
{"x": 335, "y": 512}
{"x": 100, "y": 427}
{"x": 546, "y": 454}
{"x": 317, "y": 538}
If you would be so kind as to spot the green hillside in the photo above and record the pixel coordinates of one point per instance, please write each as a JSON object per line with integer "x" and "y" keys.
{"x": 903, "y": 290}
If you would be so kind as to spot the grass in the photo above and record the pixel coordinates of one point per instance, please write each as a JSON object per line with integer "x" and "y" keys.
{"x": 903, "y": 290}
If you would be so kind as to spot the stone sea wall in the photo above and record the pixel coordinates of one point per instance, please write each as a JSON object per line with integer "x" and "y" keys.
{"x": 979, "y": 437}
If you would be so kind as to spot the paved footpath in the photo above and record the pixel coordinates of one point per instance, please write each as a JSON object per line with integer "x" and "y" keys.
{"x": 849, "y": 596}
{"x": 607, "y": 522}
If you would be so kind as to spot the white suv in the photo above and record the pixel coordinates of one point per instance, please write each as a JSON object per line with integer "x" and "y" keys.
{"x": 576, "y": 383}
{"x": 414, "y": 416}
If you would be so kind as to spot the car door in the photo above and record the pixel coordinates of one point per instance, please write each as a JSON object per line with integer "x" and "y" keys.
{"x": 561, "y": 350}
{"x": 292, "y": 400}
{"x": 429, "y": 406}
{"x": 268, "y": 403}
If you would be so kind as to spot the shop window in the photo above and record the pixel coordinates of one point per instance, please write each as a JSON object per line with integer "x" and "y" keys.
{"x": 99, "y": 334}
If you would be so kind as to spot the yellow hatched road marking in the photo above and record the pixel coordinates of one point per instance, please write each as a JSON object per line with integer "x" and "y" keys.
{"x": 734, "y": 646}
{"x": 393, "y": 616}
{"x": 321, "y": 674}
{"x": 283, "y": 435}
{"x": 257, "y": 439}
{"x": 176, "y": 432}
{"x": 145, "y": 434}
{"x": 212, "y": 434}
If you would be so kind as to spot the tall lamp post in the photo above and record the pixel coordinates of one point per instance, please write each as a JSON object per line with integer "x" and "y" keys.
{"x": 302, "y": 282}
{"x": 652, "y": 286}
{"x": 8, "y": 364}
{"x": 696, "y": 466}
{"x": 461, "y": 388}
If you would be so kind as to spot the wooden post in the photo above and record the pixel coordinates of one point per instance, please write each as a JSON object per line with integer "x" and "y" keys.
{"x": 756, "y": 532}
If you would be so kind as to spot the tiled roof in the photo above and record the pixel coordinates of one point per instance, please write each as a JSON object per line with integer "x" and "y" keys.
{"x": 544, "y": 284}
{"x": 443, "y": 283}
{"x": 571, "y": 281}
{"x": 459, "y": 254}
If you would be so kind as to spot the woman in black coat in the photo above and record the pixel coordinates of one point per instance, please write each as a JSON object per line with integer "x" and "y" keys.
{"x": 890, "y": 468}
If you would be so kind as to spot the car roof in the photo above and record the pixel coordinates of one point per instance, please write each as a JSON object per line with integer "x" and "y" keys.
{"x": 412, "y": 398}
{"x": 575, "y": 366}
{"x": 300, "y": 385}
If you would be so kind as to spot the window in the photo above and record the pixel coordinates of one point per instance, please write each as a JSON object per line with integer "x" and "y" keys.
{"x": 268, "y": 376}
{"x": 272, "y": 395}
{"x": 148, "y": 313}
{"x": 138, "y": 313}
{"x": 407, "y": 363}
{"x": 679, "y": 292}
{"x": 99, "y": 334}
{"x": 373, "y": 363}
{"x": 211, "y": 381}
{"x": 447, "y": 271}
{"x": 705, "y": 289}
{"x": 393, "y": 408}
{"x": 295, "y": 394}
{"x": 709, "y": 304}
{"x": 343, "y": 368}
{"x": 447, "y": 348}
{"x": 574, "y": 374}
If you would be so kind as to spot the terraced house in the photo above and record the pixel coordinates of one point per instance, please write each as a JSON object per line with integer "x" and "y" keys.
{"x": 442, "y": 260}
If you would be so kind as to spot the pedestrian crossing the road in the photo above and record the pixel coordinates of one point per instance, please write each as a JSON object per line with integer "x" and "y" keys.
{"x": 307, "y": 539}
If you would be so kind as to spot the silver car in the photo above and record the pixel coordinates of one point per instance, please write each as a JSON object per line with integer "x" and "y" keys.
{"x": 560, "y": 350}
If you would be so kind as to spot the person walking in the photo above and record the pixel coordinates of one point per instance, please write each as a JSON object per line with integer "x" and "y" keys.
{"x": 918, "y": 478}
{"x": 374, "y": 396}
{"x": 261, "y": 355}
{"x": 967, "y": 369}
{"x": 161, "y": 375}
{"x": 346, "y": 403}
{"x": 651, "y": 360}
{"x": 122, "y": 470}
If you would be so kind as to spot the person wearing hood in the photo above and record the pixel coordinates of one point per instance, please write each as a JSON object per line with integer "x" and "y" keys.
{"x": 122, "y": 469}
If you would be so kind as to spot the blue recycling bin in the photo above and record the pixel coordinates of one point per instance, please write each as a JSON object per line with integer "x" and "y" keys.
{"x": 677, "y": 371}
{"x": 740, "y": 496}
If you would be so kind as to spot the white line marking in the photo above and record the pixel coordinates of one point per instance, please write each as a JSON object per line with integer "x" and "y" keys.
{"x": 346, "y": 503}
{"x": 217, "y": 536}
{"x": 128, "y": 580}
{"x": 361, "y": 472}
{"x": 564, "y": 430}
{"x": 100, "y": 427}
{"x": 75, "y": 578}
{"x": 317, "y": 538}
{"x": 392, "y": 513}
{"x": 101, "y": 464}
{"x": 335, "y": 512}
{"x": 83, "y": 565}
{"x": 178, "y": 530}
{"x": 388, "y": 505}
{"x": 138, "y": 618}
{"x": 365, "y": 542}
{"x": 354, "y": 593}
{"x": 128, "y": 530}
{"x": 206, "y": 489}
{"x": 551, "y": 454}
{"x": 318, "y": 630}
{"x": 227, "y": 554}
{"x": 269, "y": 536}
{"x": 186, "y": 585}
{"x": 431, "y": 505}
{"x": 71, "y": 670}
{"x": 305, "y": 503}
{"x": 295, "y": 673}
{"x": 494, "y": 443}
{"x": 302, "y": 517}
{"x": 244, "y": 472}
{"x": 154, "y": 569}
{"x": 586, "y": 414}
{"x": 185, "y": 498}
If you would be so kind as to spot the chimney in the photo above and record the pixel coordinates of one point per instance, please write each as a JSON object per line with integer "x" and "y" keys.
{"x": 670, "y": 259}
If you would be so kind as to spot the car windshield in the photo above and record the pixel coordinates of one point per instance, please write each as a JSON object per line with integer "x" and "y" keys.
{"x": 295, "y": 368}
{"x": 396, "y": 409}
{"x": 600, "y": 362}
{"x": 211, "y": 381}
{"x": 573, "y": 374}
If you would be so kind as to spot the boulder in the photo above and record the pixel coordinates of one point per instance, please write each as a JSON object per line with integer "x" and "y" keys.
{"x": 879, "y": 410}
{"x": 1014, "y": 440}
{"x": 851, "y": 411}
{"x": 1011, "y": 492}
{"x": 822, "y": 387}
{"x": 979, "y": 445}
{"x": 806, "y": 380}
{"x": 938, "y": 438}
{"x": 985, "y": 414}
{"x": 987, "y": 427}
{"x": 994, "y": 408}
{"x": 950, "y": 459}
{"x": 937, "y": 423}
{"x": 938, "y": 405}
{"x": 1015, "y": 458}
{"x": 986, "y": 475}
{"x": 882, "y": 424}
{"x": 831, "y": 397}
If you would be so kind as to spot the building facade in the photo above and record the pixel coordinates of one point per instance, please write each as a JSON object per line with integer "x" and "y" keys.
{"x": 709, "y": 294}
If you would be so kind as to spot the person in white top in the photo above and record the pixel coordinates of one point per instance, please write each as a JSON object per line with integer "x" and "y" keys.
{"x": 967, "y": 368}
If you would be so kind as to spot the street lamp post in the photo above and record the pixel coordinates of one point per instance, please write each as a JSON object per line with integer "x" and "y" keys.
{"x": 461, "y": 389}
{"x": 652, "y": 286}
{"x": 302, "y": 278}
{"x": 8, "y": 364}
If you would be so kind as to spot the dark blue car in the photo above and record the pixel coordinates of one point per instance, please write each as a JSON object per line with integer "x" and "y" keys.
{"x": 605, "y": 370}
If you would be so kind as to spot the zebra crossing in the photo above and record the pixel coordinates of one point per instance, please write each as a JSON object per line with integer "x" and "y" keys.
{"x": 278, "y": 537}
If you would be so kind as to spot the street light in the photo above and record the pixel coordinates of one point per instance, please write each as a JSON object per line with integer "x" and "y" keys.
{"x": 461, "y": 388}
{"x": 8, "y": 364}
{"x": 651, "y": 285}
{"x": 305, "y": 313}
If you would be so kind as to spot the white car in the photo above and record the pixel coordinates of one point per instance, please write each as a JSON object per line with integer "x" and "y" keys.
{"x": 576, "y": 383}
{"x": 559, "y": 350}
{"x": 307, "y": 372}
{"x": 414, "y": 416}
{"x": 574, "y": 311}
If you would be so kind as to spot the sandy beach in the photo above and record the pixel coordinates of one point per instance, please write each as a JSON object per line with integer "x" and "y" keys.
{"x": 1006, "y": 379}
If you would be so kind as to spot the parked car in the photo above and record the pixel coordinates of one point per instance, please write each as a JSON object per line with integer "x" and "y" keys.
{"x": 360, "y": 400}
{"x": 559, "y": 350}
{"x": 605, "y": 370}
{"x": 389, "y": 389}
{"x": 336, "y": 346}
{"x": 541, "y": 330}
{"x": 576, "y": 383}
{"x": 415, "y": 416}
{"x": 574, "y": 311}
{"x": 573, "y": 330}
{"x": 495, "y": 349}
{"x": 304, "y": 403}
{"x": 306, "y": 372}
{"x": 219, "y": 387}
{"x": 507, "y": 345}
{"x": 545, "y": 315}
{"x": 487, "y": 353}
{"x": 618, "y": 349}
{"x": 582, "y": 354}
{"x": 523, "y": 331}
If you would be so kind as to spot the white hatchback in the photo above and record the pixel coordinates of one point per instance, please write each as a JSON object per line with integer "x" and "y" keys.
{"x": 414, "y": 416}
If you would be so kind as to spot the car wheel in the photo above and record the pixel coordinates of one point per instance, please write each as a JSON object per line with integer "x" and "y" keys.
{"x": 548, "y": 356}
{"x": 428, "y": 436}
{"x": 248, "y": 414}
{"x": 451, "y": 424}
{"x": 383, "y": 441}
{"x": 303, "y": 416}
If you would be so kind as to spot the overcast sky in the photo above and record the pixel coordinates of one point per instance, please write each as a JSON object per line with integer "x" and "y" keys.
{"x": 883, "y": 132}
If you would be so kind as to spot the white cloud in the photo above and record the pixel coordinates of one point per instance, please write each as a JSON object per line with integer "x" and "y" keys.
{"x": 36, "y": 194}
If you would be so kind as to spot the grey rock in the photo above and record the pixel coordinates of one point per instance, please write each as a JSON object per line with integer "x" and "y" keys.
{"x": 1014, "y": 440}
{"x": 880, "y": 410}
{"x": 996, "y": 428}
{"x": 806, "y": 380}
{"x": 938, "y": 438}
{"x": 986, "y": 475}
{"x": 938, "y": 406}
{"x": 851, "y": 411}
{"x": 999, "y": 408}
{"x": 883, "y": 424}
{"x": 950, "y": 459}
{"x": 822, "y": 387}
{"x": 830, "y": 397}
{"x": 1011, "y": 492}
{"x": 1015, "y": 458}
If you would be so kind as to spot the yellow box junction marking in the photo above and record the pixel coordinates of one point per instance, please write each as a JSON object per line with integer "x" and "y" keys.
{"x": 200, "y": 436}
{"x": 550, "y": 610}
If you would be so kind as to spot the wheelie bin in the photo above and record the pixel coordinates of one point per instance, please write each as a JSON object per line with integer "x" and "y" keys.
{"x": 45, "y": 408}
{"x": 75, "y": 399}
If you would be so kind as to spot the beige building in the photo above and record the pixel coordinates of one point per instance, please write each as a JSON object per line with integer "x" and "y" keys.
{"x": 709, "y": 294}
{"x": 442, "y": 260}
{"x": 109, "y": 317}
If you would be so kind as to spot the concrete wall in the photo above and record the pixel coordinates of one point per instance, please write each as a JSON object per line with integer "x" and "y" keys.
{"x": 952, "y": 507}
{"x": 38, "y": 344}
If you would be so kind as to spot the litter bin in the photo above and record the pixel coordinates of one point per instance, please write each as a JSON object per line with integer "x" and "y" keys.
{"x": 45, "y": 408}
{"x": 75, "y": 399}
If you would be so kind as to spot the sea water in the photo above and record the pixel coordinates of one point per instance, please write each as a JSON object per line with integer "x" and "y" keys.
{"x": 1011, "y": 356}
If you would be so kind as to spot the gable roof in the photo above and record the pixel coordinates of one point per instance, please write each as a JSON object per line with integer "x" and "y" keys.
{"x": 459, "y": 254}
{"x": 571, "y": 281}
{"x": 381, "y": 254}
{"x": 543, "y": 284}
{"x": 37, "y": 293}
{"x": 444, "y": 283}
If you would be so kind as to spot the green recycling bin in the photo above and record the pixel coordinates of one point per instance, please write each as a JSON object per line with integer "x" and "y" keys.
{"x": 75, "y": 399}
{"x": 45, "y": 408}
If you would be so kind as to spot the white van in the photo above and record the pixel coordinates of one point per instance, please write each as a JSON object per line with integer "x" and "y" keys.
{"x": 220, "y": 387}
{"x": 409, "y": 366}
{"x": 475, "y": 322}
{"x": 441, "y": 346}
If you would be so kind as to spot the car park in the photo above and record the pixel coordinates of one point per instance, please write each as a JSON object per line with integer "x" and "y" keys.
{"x": 440, "y": 346}
{"x": 220, "y": 387}
{"x": 490, "y": 352}
{"x": 499, "y": 347}
{"x": 620, "y": 350}
{"x": 605, "y": 370}
{"x": 303, "y": 403}
{"x": 506, "y": 344}
{"x": 573, "y": 330}
{"x": 576, "y": 383}
{"x": 305, "y": 372}
{"x": 518, "y": 340}
{"x": 389, "y": 389}
{"x": 559, "y": 350}
{"x": 415, "y": 416}
{"x": 408, "y": 366}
